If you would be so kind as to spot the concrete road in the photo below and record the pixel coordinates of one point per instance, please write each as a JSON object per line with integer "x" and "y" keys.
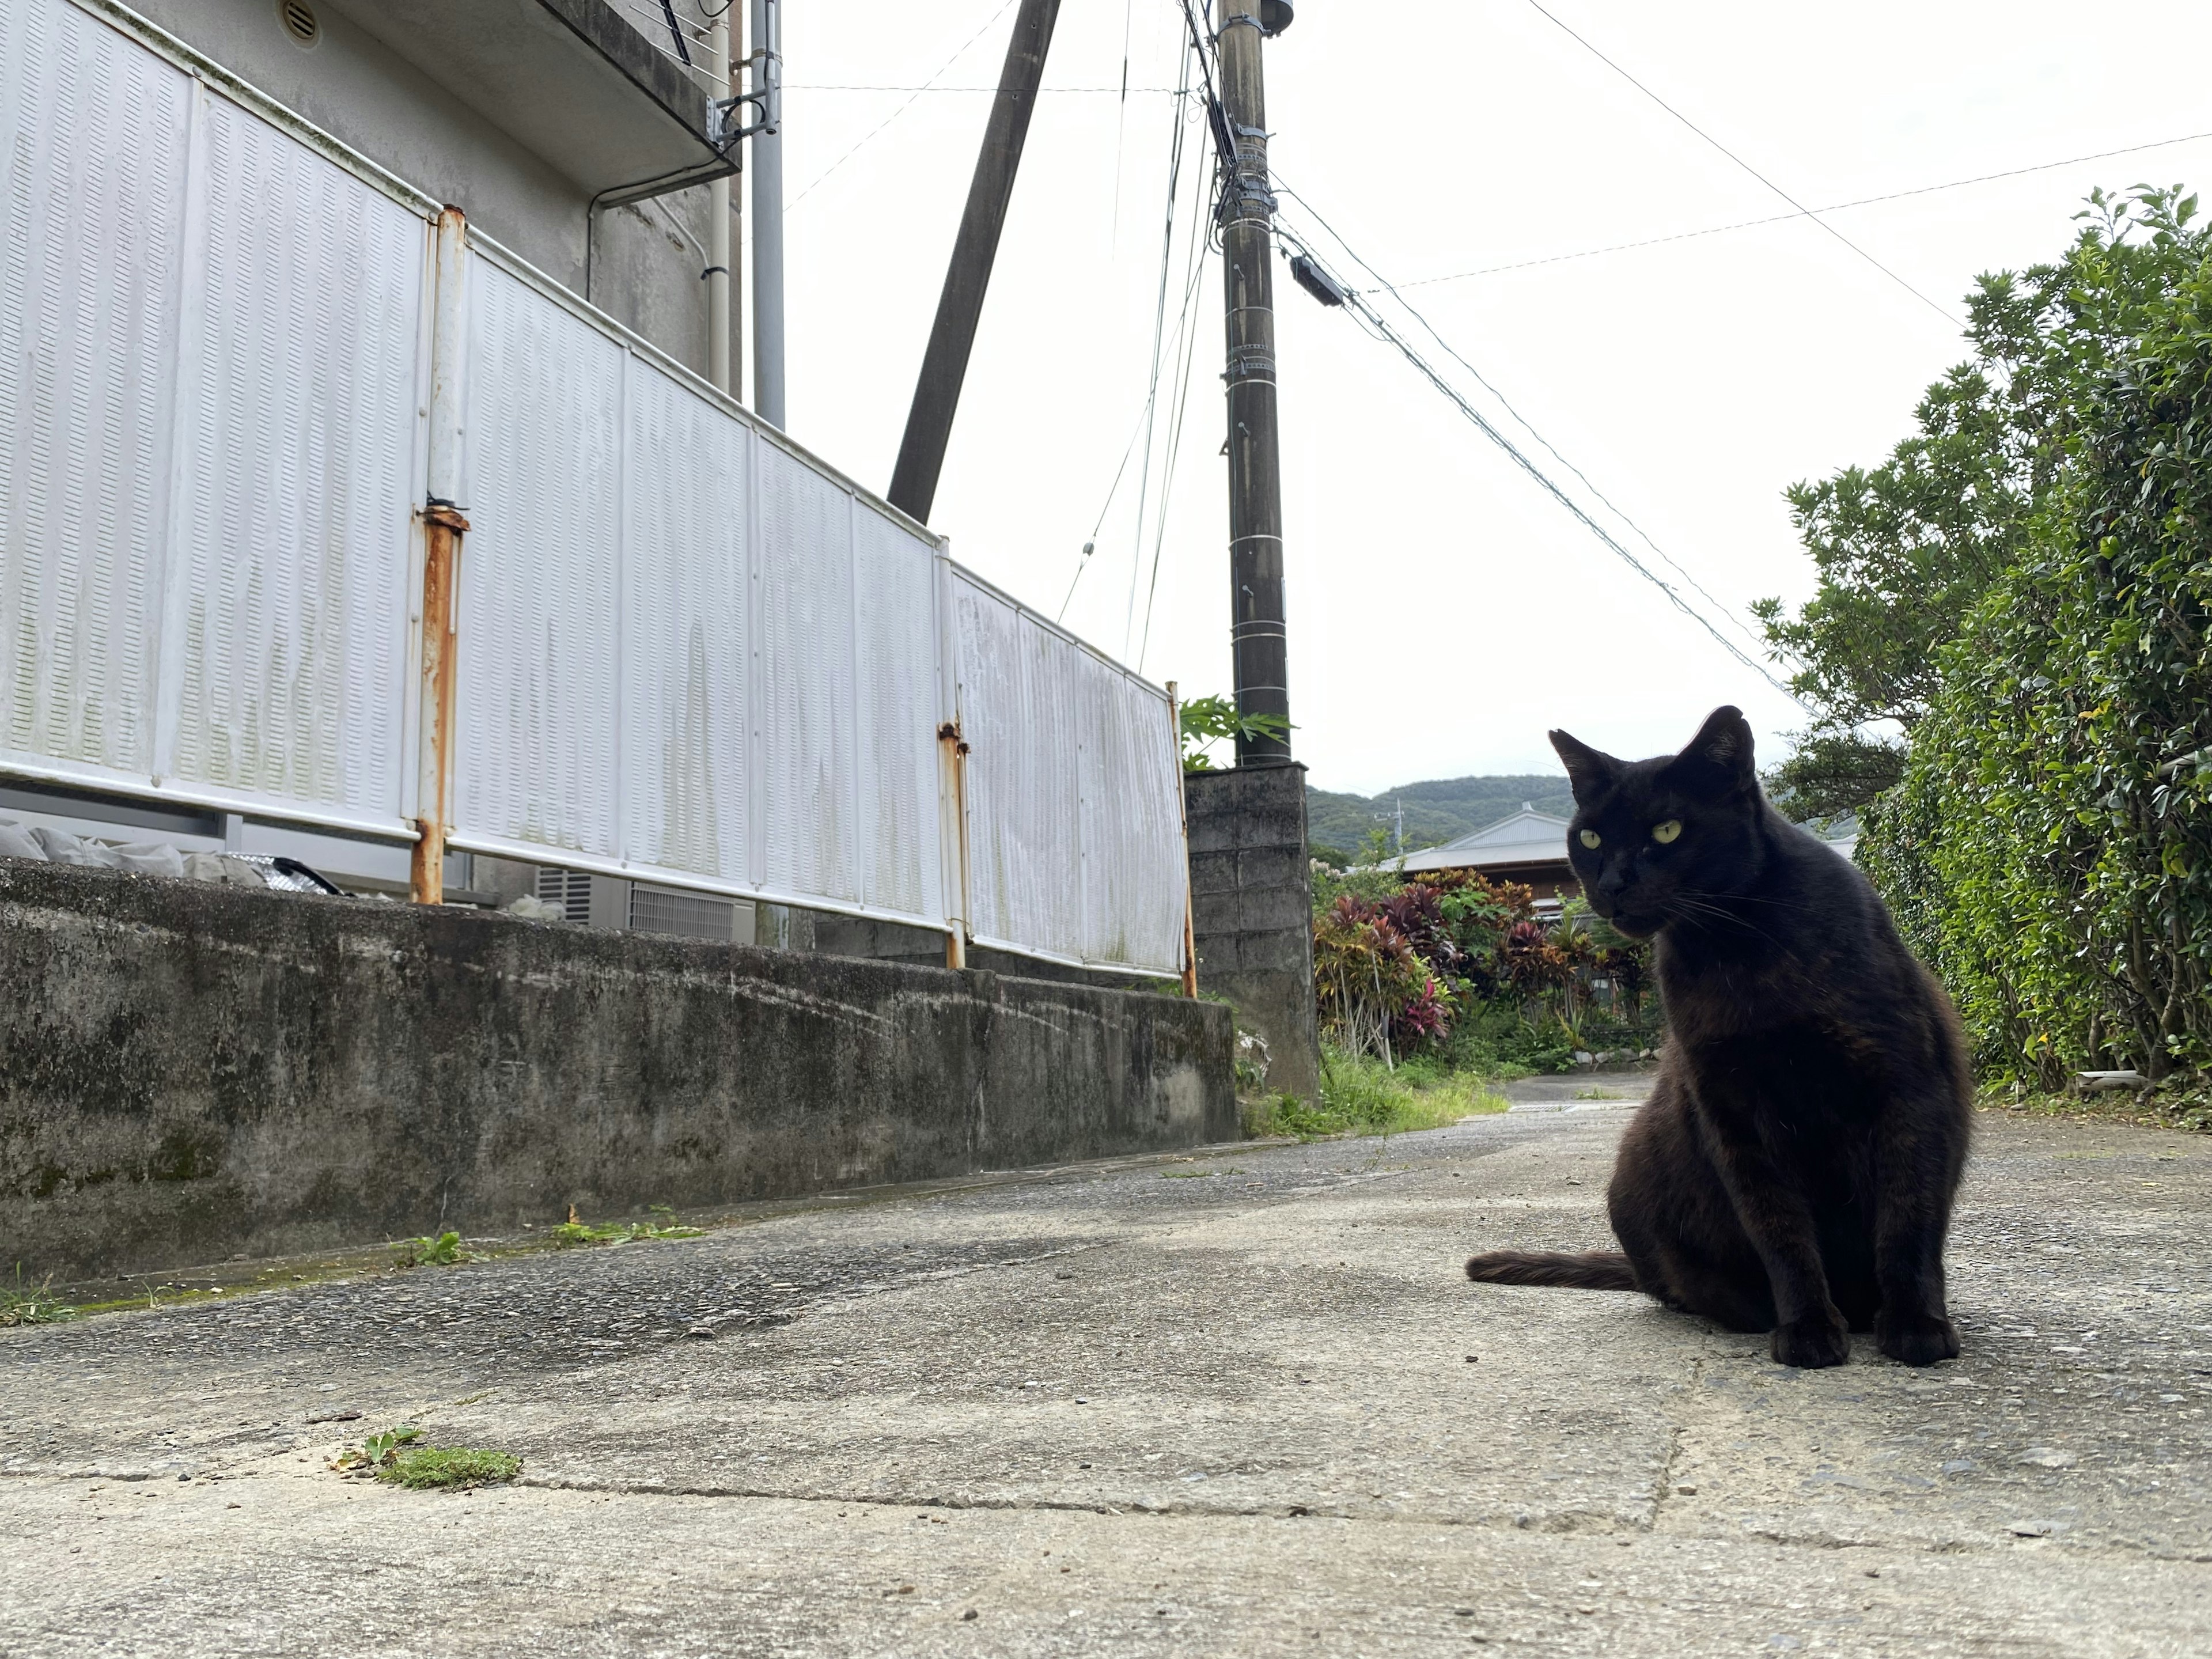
{"x": 1243, "y": 1403}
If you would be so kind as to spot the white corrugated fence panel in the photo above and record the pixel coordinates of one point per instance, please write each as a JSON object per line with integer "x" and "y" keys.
{"x": 1135, "y": 884}
{"x": 685, "y": 649}
{"x": 535, "y": 714}
{"x": 94, "y": 213}
{"x": 1075, "y": 841}
{"x": 684, "y": 636}
{"x": 1023, "y": 781}
{"x": 894, "y": 656}
{"x": 297, "y": 476}
{"x": 807, "y": 755}
{"x": 210, "y": 345}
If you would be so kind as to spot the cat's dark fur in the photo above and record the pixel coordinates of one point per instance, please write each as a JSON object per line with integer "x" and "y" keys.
{"x": 1795, "y": 1166}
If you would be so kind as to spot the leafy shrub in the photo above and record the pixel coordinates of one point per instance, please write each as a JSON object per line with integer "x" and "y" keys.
{"x": 1361, "y": 1095}
{"x": 2049, "y": 849}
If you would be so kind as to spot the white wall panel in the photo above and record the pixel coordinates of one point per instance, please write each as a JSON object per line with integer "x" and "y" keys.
{"x": 94, "y": 131}
{"x": 1134, "y": 885}
{"x": 808, "y": 753}
{"x": 1023, "y": 781}
{"x": 536, "y": 711}
{"x": 896, "y": 707}
{"x": 1074, "y": 819}
{"x": 298, "y": 430}
{"x": 684, "y": 636}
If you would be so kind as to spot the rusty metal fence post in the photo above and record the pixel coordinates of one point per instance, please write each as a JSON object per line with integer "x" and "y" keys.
{"x": 443, "y": 526}
{"x": 1182, "y": 821}
{"x": 952, "y": 756}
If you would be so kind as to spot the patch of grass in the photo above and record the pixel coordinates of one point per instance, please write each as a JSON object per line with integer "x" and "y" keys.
{"x": 574, "y": 1231}
{"x": 395, "y": 1456}
{"x": 34, "y": 1305}
{"x": 443, "y": 1250}
{"x": 1360, "y": 1096}
{"x": 420, "y": 1468}
{"x": 2180, "y": 1105}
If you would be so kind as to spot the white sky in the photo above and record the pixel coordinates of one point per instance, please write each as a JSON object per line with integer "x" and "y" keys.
{"x": 1443, "y": 613}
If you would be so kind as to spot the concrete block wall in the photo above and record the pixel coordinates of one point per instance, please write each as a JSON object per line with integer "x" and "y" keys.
{"x": 1252, "y": 909}
{"x": 188, "y": 1071}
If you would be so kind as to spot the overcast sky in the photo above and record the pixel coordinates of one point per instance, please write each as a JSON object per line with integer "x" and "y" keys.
{"x": 1444, "y": 613}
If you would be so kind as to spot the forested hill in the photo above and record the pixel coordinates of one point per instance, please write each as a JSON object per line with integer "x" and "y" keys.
{"x": 1435, "y": 810}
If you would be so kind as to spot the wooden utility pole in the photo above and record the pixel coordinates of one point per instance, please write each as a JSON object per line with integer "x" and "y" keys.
{"x": 1257, "y": 640}
{"x": 960, "y": 306}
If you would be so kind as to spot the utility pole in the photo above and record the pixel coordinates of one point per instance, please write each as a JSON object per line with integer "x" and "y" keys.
{"x": 960, "y": 306}
{"x": 1257, "y": 640}
{"x": 767, "y": 61}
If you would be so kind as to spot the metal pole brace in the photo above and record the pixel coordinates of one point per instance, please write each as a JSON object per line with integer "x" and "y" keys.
{"x": 723, "y": 135}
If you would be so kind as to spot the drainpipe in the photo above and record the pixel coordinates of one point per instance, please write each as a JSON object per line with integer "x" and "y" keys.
{"x": 768, "y": 212}
{"x": 717, "y": 215}
{"x": 443, "y": 526}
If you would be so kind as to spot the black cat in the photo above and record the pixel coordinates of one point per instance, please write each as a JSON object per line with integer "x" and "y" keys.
{"x": 1795, "y": 1166}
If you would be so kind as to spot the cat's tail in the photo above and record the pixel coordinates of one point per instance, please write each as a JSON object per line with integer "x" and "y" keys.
{"x": 1593, "y": 1270}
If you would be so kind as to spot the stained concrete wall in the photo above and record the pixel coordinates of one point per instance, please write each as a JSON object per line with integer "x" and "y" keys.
{"x": 1252, "y": 909}
{"x": 188, "y": 1071}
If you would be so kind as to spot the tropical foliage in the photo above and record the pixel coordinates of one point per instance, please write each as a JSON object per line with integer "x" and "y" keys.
{"x": 1206, "y": 721}
{"x": 1400, "y": 965}
{"x": 2024, "y": 592}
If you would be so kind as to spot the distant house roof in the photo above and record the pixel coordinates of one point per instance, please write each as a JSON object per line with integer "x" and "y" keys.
{"x": 1527, "y": 836}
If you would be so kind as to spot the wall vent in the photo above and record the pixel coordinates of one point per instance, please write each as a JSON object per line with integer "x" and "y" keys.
{"x": 688, "y": 916}
{"x": 299, "y": 22}
{"x": 569, "y": 888}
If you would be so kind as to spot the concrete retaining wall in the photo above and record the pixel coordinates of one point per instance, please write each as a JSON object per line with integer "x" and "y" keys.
{"x": 187, "y": 1071}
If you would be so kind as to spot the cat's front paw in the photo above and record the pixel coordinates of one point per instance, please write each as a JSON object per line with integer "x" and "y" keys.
{"x": 1915, "y": 1339}
{"x": 1813, "y": 1342}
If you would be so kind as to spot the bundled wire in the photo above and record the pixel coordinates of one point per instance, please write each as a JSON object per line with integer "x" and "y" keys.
{"x": 1357, "y": 304}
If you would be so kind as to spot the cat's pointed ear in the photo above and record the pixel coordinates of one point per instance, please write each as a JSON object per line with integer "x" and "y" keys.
{"x": 1589, "y": 772}
{"x": 1718, "y": 760}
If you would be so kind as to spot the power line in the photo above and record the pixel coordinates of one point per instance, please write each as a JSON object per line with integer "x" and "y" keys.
{"x": 1159, "y": 326}
{"x": 1357, "y": 303}
{"x": 1806, "y": 211}
{"x": 1786, "y": 218}
{"x": 902, "y": 108}
{"x": 1483, "y": 380}
{"x": 1193, "y": 270}
{"x": 1141, "y": 429}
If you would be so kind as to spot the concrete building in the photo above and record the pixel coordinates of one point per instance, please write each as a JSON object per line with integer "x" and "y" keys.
{"x": 1528, "y": 846}
{"x": 567, "y": 129}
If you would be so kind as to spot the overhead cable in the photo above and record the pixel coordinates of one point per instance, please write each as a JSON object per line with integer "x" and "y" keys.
{"x": 1802, "y": 209}
{"x": 1159, "y": 327}
{"x": 871, "y": 132}
{"x": 1786, "y": 218}
{"x": 1483, "y": 380}
{"x": 1358, "y": 305}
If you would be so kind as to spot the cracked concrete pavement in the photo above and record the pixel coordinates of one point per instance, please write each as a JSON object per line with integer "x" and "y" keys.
{"x": 1238, "y": 1403}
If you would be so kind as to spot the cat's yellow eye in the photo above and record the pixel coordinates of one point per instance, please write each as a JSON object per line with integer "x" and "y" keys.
{"x": 1589, "y": 838}
{"x": 1663, "y": 833}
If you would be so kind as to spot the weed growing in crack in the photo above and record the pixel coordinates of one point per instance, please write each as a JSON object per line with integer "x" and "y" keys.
{"x": 574, "y": 1231}
{"x": 442, "y": 1251}
{"x": 37, "y": 1305}
{"x": 395, "y": 1457}
{"x": 421, "y": 1467}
